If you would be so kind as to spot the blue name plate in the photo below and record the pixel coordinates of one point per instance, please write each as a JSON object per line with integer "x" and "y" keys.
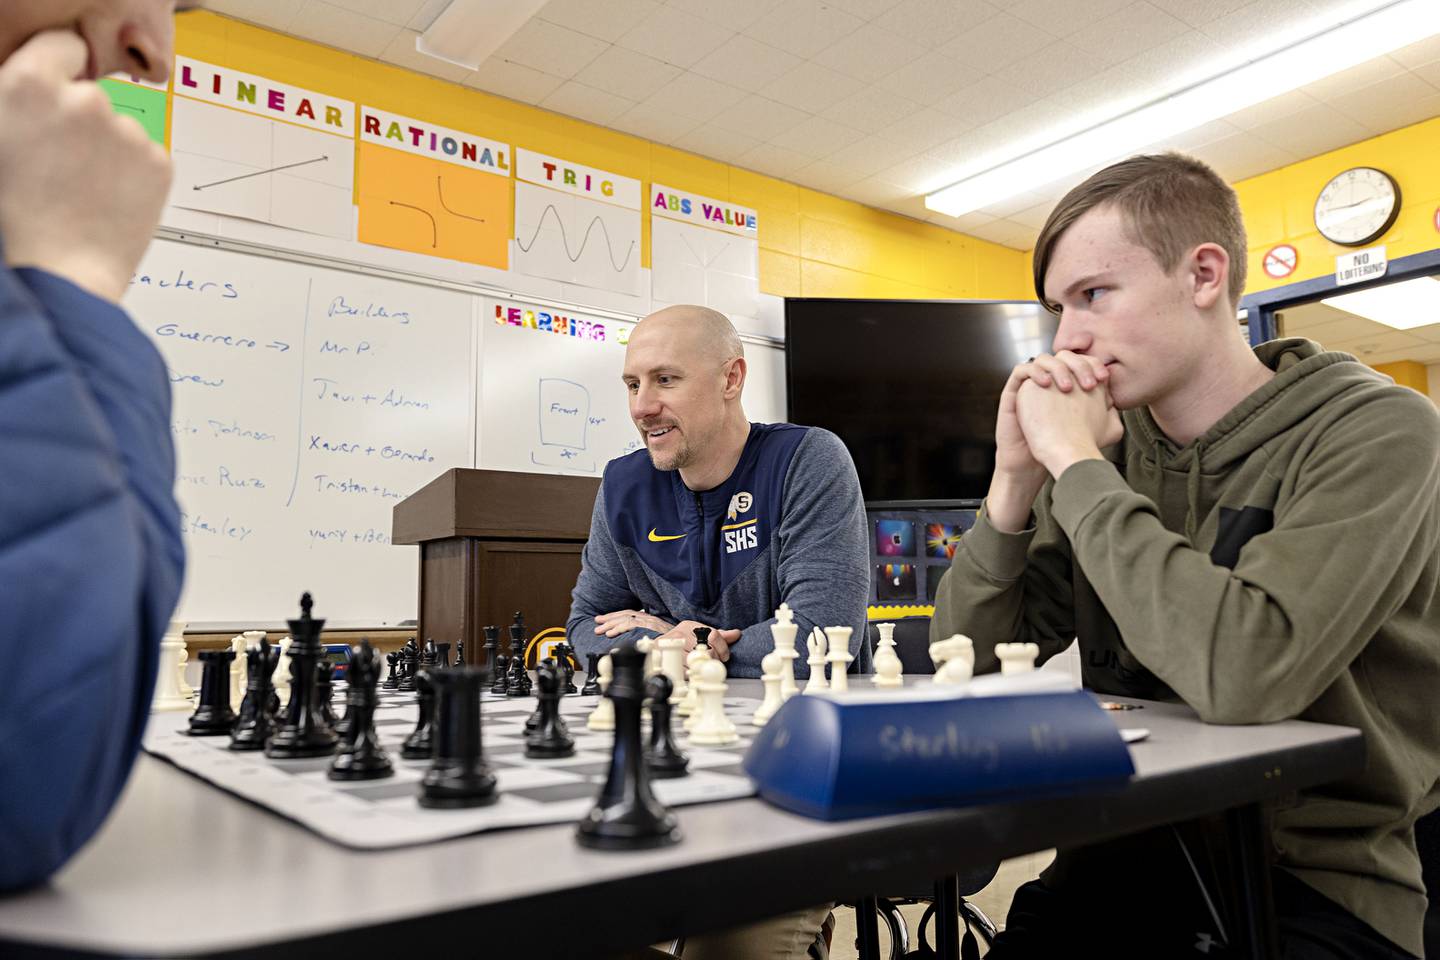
{"x": 838, "y": 756}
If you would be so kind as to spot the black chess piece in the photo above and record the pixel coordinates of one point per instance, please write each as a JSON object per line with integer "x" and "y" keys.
{"x": 392, "y": 679}
{"x": 458, "y": 776}
{"x": 303, "y": 731}
{"x": 421, "y": 742}
{"x": 491, "y": 645}
{"x": 550, "y": 737}
{"x": 214, "y": 716}
{"x": 257, "y": 714}
{"x": 518, "y": 682}
{"x": 565, "y": 657}
{"x": 361, "y": 757}
{"x": 661, "y": 755}
{"x": 460, "y": 652}
{"x": 409, "y": 657}
{"x": 626, "y": 816}
{"x": 325, "y": 691}
{"x": 442, "y": 656}
{"x": 592, "y": 675}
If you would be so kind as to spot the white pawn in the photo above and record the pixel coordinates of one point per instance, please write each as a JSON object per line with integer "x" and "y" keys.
{"x": 646, "y": 645}
{"x": 185, "y": 689}
{"x": 954, "y": 660}
{"x": 713, "y": 728}
{"x": 887, "y": 661}
{"x": 167, "y": 682}
{"x": 771, "y": 666}
{"x": 783, "y": 630}
{"x": 839, "y": 657}
{"x": 282, "y": 670}
{"x": 816, "y": 643}
{"x": 1017, "y": 657}
{"x": 672, "y": 664}
{"x": 693, "y": 659}
{"x": 603, "y": 716}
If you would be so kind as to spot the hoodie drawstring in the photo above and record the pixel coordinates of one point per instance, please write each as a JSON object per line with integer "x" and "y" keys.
{"x": 1192, "y": 492}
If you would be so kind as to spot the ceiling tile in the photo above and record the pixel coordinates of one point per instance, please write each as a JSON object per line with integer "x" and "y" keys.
{"x": 1199, "y": 12}
{"x": 1429, "y": 72}
{"x": 1360, "y": 75}
{"x": 731, "y": 14}
{"x": 803, "y": 27}
{"x": 544, "y": 46}
{"x": 1312, "y": 131}
{"x": 775, "y": 161}
{"x": 329, "y": 24}
{"x": 825, "y": 176}
{"x": 1111, "y": 92}
{"x": 661, "y": 126}
{"x": 934, "y": 23}
{"x": 1390, "y": 105}
{"x": 1418, "y": 54}
{"x": 1053, "y": 68}
{"x": 429, "y": 12}
{"x": 871, "y": 109}
{"x": 608, "y": 21}
{"x": 867, "y": 54}
{"x": 1012, "y": 205}
{"x": 920, "y": 131}
{"x": 398, "y": 12}
{"x": 907, "y": 206}
{"x": 513, "y": 80}
{"x": 1199, "y": 136}
{"x": 865, "y": 9}
{"x": 1178, "y": 62}
{"x": 1268, "y": 111}
{"x": 987, "y": 99}
{"x": 692, "y": 95}
{"x": 1243, "y": 155}
{"x": 759, "y": 117}
{"x": 586, "y": 103}
{"x": 929, "y": 78}
{"x": 812, "y": 88}
{"x": 996, "y": 43}
{"x": 818, "y": 136}
{"x": 865, "y": 157}
{"x": 920, "y": 174}
{"x": 275, "y": 14}
{"x": 966, "y": 222}
{"x": 627, "y": 74}
{"x": 746, "y": 63}
{"x": 708, "y": 140}
{"x": 1007, "y": 233}
{"x": 1262, "y": 25}
{"x": 874, "y": 192}
{"x": 402, "y": 53}
{"x": 675, "y": 36}
{"x": 1035, "y": 216}
{"x": 1128, "y": 32}
{"x": 1064, "y": 17}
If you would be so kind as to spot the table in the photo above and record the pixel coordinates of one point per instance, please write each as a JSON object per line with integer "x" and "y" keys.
{"x": 183, "y": 869}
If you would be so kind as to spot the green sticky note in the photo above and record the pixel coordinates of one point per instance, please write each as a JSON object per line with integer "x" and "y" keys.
{"x": 142, "y": 103}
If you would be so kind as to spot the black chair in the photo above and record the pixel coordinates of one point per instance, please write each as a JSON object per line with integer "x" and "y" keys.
{"x": 1427, "y": 841}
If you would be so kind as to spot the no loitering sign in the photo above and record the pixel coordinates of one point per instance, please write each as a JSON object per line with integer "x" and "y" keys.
{"x": 1361, "y": 265}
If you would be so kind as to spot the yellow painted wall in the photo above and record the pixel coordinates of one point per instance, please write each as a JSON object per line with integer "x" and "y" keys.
{"x": 1279, "y": 206}
{"x": 1407, "y": 373}
{"x": 811, "y": 244}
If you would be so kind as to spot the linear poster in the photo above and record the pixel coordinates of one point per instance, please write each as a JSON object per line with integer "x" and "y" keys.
{"x": 576, "y": 224}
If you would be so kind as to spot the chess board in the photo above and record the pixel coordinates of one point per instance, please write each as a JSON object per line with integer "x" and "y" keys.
{"x": 380, "y": 814}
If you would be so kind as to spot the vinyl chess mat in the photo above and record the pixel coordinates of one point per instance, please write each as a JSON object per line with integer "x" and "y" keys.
{"x": 381, "y": 814}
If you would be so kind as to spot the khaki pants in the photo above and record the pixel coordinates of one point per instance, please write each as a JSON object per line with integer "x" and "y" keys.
{"x": 798, "y": 935}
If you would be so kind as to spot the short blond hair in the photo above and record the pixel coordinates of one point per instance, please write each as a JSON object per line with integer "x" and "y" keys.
{"x": 1170, "y": 204}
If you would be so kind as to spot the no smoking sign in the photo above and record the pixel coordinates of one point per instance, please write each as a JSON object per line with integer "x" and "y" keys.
{"x": 1280, "y": 261}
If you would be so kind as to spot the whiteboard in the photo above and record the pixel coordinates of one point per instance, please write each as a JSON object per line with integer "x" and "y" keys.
{"x": 554, "y": 403}
{"x": 307, "y": 402}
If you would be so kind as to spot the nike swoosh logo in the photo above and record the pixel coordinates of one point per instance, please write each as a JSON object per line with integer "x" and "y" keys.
{"x": 661, "y": 538}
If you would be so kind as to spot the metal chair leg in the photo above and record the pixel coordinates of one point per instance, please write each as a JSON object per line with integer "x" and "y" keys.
{"x": 975, "y": 918}
{"x": 899, "y": 932}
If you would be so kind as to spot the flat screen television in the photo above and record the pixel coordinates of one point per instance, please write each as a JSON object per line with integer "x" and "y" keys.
{"x": 910, "y": 386}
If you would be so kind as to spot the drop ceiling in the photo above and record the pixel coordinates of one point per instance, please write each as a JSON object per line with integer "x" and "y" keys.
{"x": 880, "y": 101}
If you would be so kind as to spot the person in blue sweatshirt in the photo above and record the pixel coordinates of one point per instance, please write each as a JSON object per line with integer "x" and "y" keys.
{"x": 90, "y": 551}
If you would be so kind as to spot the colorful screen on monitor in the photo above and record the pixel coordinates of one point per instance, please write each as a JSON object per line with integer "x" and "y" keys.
{"x": 941, "y": 540}
{"x": 894, "y": 538}
{"x": 895, "y": 581}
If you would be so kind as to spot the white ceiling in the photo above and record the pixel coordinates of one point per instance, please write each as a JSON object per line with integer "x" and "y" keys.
{"x": 1372, "y": 342}
{"x": 881, "y": 101}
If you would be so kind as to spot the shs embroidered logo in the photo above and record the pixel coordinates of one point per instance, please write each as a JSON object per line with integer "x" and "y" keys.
{"x": 743, "y": 537}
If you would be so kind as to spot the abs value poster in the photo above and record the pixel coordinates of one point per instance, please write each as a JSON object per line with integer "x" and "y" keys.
{"x": 432, "y": 190}
{"x": 704, "y": 251}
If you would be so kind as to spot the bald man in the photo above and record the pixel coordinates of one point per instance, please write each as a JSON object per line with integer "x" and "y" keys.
{"x": 90, "y": 551}
{"x": 717, "y": 521}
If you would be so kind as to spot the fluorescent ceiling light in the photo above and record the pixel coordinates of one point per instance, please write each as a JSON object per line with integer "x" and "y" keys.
{"x": 1337, "y": 48}
{"x": 1404, "y": 305}
{"x": 468, "y": 31}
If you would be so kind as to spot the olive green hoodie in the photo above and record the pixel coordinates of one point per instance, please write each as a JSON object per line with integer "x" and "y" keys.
{"x": 1283, "y": 565}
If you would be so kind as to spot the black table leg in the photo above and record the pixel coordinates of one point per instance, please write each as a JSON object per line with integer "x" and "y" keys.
{"x": 947, "y": 918}
{"x": 1255, "y": 934}
{"x": 867, "y": 928}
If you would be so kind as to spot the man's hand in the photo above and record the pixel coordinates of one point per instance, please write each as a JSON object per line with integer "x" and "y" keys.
{"x": 1063, "y": 427}
{"x": 623, "y": 621}
{"x": 719, "y": 641}
{"x": 81, "y": 188}
{"x": 1019, "y": 474}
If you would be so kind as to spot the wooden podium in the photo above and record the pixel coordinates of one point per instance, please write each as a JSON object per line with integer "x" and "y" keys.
{"x": 491, "y": 543}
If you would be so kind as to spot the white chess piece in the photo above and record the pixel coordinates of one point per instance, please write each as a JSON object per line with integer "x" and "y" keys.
{"x": 713, "y": 728}
{"x": 1017, "y": 657}
{"x": 954, "y": 660}
{"x": 672, "y": 664}
{"x": 783, "y": 630}
{"x": 185, "y": 689}
{"x": 816, "y": 643}
{"x": 167, "y": 682}
{"x": 839, "y": 657}
{"x": 282, "y": 670}
{"x": 603, "y": 716}
{"x": 771, "y": 666}
{"x": 647, "y": 646}
{"x": 237, "y": 669}
{"x": 887, "y": 670}
{"x": 693, "y": 659}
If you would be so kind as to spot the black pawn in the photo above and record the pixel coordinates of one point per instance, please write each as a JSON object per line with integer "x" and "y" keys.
{"x": 497, "y": 660}
{"x": 257, "y": 713}
{"x": 361, "y": 757}
{"x": 421, "y": 742}
{"x": 592, "y": 675}
{"x": 627, "y": 816}
{"x": 460, "y": 652}
{"x": 325, "y": 691}
{"x": 565, "y": 657}
{"x": 491, "y": 646}
{"x": 303, "y": 731}
{"x": 409, "y": 657}
{"x": 550, "y": 738}
{"x": 662, "y": 756}
{"x": 392, "y": 679}
{"x": 214, "y": 717}
{"x": 458, "y": 776}
{"x": 442, "y": 656}
{"x": 518, "y": 682}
